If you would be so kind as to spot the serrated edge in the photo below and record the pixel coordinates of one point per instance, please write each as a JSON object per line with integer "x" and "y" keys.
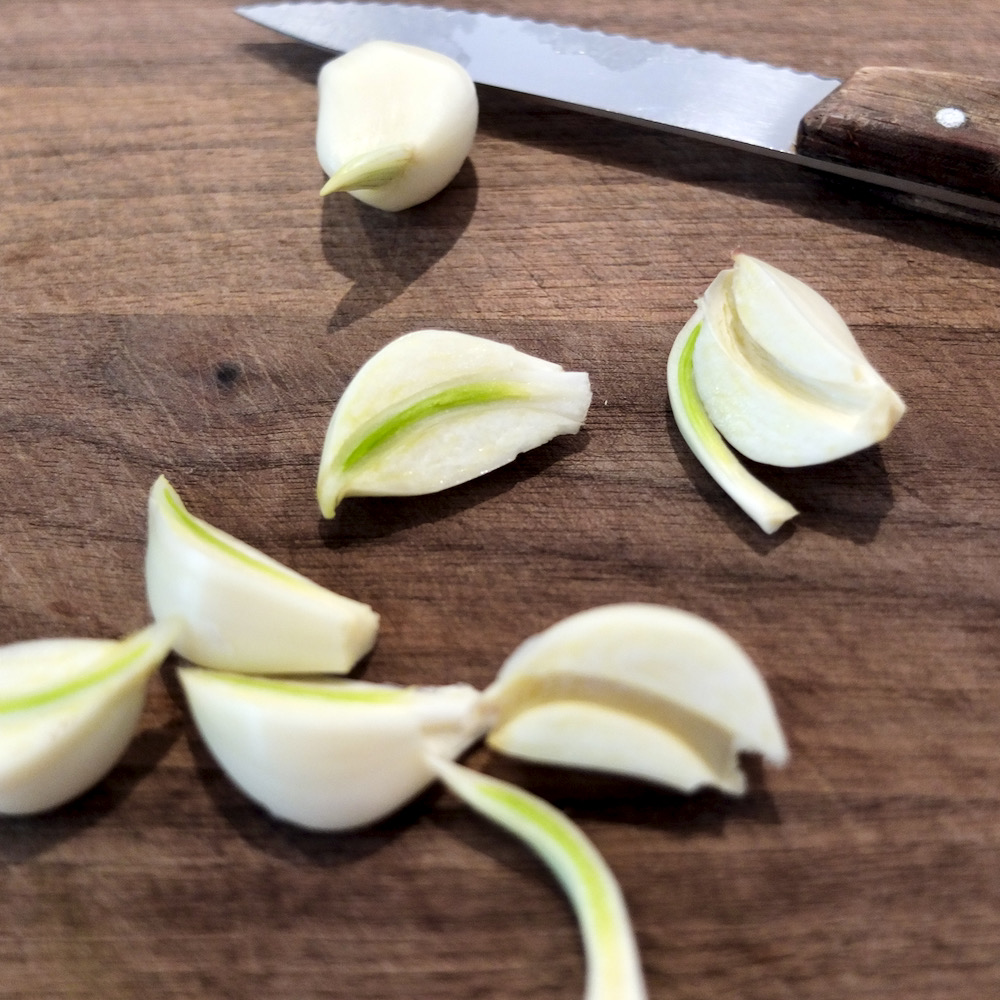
{"x": 437, "y": 9}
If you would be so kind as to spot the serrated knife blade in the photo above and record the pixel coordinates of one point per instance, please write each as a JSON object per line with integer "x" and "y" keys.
{"x": 931, "y": 137}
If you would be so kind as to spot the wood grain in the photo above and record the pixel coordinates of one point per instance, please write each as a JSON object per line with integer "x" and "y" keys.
{"x": 175, "y": 298}
{"x": 887, "y": 119}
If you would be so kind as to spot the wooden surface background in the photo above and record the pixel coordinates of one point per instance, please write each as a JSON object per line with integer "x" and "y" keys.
{"x": 175, "y": 298}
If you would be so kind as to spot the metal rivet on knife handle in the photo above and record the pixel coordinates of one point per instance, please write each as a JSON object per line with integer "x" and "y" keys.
{"x": 936, "y": 128}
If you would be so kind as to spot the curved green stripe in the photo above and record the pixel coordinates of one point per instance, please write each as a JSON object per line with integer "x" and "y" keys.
{"x": 690, "y": 399}
{"x": 122, "y": 655}
{"x": 338, "y": 692}
{"x": 567, "y": 841}
{"x": 475, "y": 394}
{"x": 614, "y": 970}
{"x": 209, "y": 535}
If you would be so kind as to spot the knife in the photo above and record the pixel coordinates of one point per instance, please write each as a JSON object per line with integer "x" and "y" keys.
{"x": 931, "y": 138}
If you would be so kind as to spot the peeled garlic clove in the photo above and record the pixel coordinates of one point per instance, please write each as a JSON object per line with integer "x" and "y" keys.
{"x": 435, "y": 408}
{"x": 614, "y": 969}
{"x": 329, "y": 755}
{"x": 780, "y": 375}
{"x": 395, "y": 123}
{"x": 68, "y": 710}
{"x": 758, "y": 501}
{"x": 241, "y": 610}
{"x": 636, "y": 689}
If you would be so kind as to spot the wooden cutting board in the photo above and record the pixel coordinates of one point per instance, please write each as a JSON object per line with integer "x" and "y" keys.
{"x": 175, "y": 298}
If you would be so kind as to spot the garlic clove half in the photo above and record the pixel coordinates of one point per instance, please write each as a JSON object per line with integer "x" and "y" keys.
{"x": 68, "y": 710}
{"x": 642, "y": 690}
{"x": 759, "y": 502}
{"x": 241, "y": 610}
{"x": 435, "y": 408}
{"x": 793, "y": 324}
{"x": 613, "y": 965}
{"x": 329, "y": 755}
{"x": 395, "y": 123}
{"x": 780, "y": 374}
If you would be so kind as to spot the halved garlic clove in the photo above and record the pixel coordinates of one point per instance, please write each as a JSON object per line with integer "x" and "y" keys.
{"x": 758, "y": 501}
{"x": 780, "y": 374}
{"x": 241, "y": 610}
{"x": 68, "y": 710}
{"x": 395, "y": 123}
{"x": 435, "y": 408}
{"x": 636, "y": 689}
{"x": 613, "y": 966}
{"x": 329, "y": 755}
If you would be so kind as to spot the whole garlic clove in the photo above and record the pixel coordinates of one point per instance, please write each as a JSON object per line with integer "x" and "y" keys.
{"x": 435, "y": 408}
{"x": 68, "y": 710}
{"x": 642, "y": 690}
{"x": 395, "y": 123}
{"x": 238, "y": 608}
{"x": 329, "y": 755}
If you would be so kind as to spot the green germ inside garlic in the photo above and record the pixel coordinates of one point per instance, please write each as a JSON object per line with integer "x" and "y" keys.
{"x": 241, "y": 610}
{"x": 758, "y": 501}
{"x": 329, "y": 754}
{"x": 68, "y": 710}
{"x": 436, "y": 408}
{"x": 772, "y": 366}
{"x": 370, "y": 170}
{"x": 613, "y": 967}
{"x": 438, "y": 403}
{"x": 218, "y": 542}
{"x": 343, "y": 693}
{"x": 395, "y": 123}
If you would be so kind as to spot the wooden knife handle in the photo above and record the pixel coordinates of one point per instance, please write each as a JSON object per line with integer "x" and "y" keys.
{"x": 939, "y": 128}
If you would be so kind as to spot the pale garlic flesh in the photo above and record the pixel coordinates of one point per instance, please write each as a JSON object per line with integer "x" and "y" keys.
{"x": 395, "y": 123}
{"x": 329, "y": 754}
{"x": 768, "y": 367}
{"x": 238, "y": 608}
{"x": 68, "y": 710}
{"x": 780, "y": 374}
{"x": 642, "y": 690}
{"x": 436, "y": 408}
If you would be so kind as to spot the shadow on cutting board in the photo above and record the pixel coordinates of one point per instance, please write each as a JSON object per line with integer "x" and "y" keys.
{"x": 372, "y": 520}
{"x": 25, "y": 837}
{"x": 383, "y": 253}
{"x": 813, "y": 194}
{"x": 617, "y": 799}
{"x": 848, "y": 498}
{"x": 294, "y": 58}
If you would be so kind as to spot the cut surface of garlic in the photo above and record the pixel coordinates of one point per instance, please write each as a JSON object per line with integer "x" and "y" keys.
{"x": 238, "y": 608}
{"x": 395, "y": 123}
{"x": 435, "y": 408}
{"x": 613, "y": 966}
{"x": 68, "y": 710}
{"x": 329, "y": 755}
{"x": 643, "y": 690}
